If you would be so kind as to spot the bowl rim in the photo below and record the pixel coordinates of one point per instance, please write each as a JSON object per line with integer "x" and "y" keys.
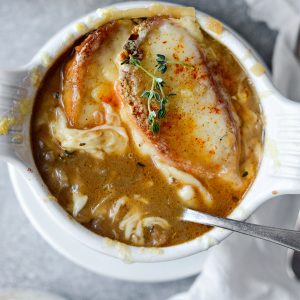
{"x": 253, "y": 198}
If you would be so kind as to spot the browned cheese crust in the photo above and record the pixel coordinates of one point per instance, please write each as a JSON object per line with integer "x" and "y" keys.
{"x": 74, "y": 84}
{"x": 175, "y": 140}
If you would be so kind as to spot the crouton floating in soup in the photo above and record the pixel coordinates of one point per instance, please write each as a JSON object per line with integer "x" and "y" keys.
{"x": 141, "y": 118}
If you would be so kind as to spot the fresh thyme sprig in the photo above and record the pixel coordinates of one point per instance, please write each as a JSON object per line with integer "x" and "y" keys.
{"x": 162, "y": 63}
{"x": 156, "y": 92}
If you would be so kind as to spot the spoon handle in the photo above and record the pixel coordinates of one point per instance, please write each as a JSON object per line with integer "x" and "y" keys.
{"x": 284, "y": 237}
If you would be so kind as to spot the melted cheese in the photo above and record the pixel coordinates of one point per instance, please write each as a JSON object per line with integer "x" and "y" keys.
{"x": 79, "y": 200}
{"x": 90, "y": 74}
{"x": 98, "y": 141}
{"x": 200, "y": 113}
{"x": 108, "y": 58}
{"x": 170, "y": 173}
{"x": 175, "y": 175}
{"x": 133, "y": 223}
{"x": 20, "y": 112}
{"x": 187, "y": 194}
{"x": 5, "y": 124}
{"x": 111, "y": 13}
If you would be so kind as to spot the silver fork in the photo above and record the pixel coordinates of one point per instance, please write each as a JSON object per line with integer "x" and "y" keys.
{"x": 284, "y": 237}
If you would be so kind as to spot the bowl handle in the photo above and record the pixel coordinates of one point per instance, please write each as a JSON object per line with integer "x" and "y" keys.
{"x": 13, "y": 90}
{"x": 282, "y": 143}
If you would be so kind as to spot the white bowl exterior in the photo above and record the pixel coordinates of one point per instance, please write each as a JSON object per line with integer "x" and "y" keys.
{"x": 271, "y": 178}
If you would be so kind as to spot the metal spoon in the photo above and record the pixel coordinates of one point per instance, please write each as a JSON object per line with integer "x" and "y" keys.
{"x": 294, "y": 257}
{"x": 283, "y": 237}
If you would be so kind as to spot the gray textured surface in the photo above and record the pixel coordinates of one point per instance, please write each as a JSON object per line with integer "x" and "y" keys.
{"x": 26, "y": 260}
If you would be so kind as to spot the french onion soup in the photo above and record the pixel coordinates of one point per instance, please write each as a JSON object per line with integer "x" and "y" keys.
{"x": 141, "y": 118}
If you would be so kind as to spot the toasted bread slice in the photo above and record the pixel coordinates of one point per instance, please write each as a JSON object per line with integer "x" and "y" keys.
{"x": 200, "y": 132}
{"x": 89, "y": 75}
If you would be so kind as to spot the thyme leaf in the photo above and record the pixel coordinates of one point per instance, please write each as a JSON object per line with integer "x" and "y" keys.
{"x": 162, "y": 63}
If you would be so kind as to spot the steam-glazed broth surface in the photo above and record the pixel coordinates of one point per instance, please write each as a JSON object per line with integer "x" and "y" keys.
{"x": 124, "y": 175}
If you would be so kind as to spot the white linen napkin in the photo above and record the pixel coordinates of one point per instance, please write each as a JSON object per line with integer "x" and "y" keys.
{"x": 241, "y": 267}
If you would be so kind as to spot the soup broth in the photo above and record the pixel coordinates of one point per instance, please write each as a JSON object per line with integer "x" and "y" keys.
{"x": 123, "y": 194}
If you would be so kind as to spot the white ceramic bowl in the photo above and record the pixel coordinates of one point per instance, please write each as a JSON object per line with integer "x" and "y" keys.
{"x": 279, "y": 172}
